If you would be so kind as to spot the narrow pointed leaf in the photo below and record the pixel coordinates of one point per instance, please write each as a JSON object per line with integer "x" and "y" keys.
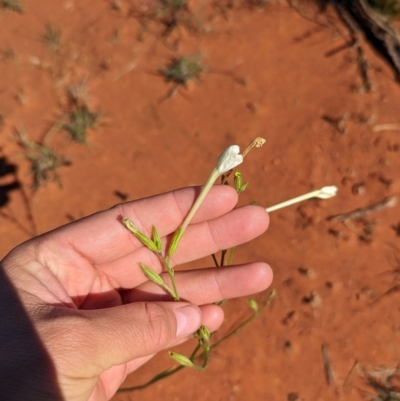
{"x": 243, "y": 187}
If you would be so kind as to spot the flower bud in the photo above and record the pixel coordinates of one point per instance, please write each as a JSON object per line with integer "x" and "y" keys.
{"x": 229, "y": 159}
{"x": 253, "y": 304}
{"x": 182, "y": 360}
{"x": 139, "y": 235}
{"x": 203, "y": 335}
{"x": 327, "y": 192}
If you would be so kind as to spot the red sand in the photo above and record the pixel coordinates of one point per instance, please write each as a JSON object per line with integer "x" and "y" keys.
{"x": 283, "y": 85}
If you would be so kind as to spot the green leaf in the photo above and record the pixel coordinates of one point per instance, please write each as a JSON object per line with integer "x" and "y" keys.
{"x": 253, "y": 304}
{"x": 139, "y": 235}
{"x": 183, "y": 360}
{"x": 157, "y": 239}
{"x": 237, "y": 180}
{"x": 243, "y": 187}
{"x": 175, "y": 241}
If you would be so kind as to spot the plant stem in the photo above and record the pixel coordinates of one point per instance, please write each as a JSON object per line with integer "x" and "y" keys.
{"x": 168, "y": 372}
{"x": 215, "y": 260}
{"x": 206, "y": 188}
{"x": 171, "y": 273}
{"x": 206, "y": 353}
{"x": 230, "y": 257}
{"x": 162, "y": 375}
{"x": 245, "y": 322}
{"x": 223, "y": 253}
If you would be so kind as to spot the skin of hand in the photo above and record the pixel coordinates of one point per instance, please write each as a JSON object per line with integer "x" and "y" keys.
{"x": 77, "y": 313}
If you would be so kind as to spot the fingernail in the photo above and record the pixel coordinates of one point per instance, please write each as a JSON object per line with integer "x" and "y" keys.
{"x": 188, "y": 320}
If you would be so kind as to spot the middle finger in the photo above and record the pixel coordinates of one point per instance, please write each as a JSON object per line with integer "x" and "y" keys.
{"x": 205, "y": 286}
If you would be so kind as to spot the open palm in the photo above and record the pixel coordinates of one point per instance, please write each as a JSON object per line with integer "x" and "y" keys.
{"x": 85, "y": 315}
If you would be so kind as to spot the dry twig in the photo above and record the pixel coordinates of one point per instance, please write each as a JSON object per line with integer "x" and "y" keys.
{"x": 362, "y": 212}
{"x": 327, "y": 365}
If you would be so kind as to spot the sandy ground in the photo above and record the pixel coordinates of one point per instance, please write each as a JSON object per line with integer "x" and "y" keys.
{"x": 268, "y": 72}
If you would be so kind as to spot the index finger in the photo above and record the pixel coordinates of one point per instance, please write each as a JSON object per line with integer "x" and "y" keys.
{"x": 101, "y": 238}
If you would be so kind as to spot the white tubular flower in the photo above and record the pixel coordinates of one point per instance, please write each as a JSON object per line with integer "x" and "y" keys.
{"x": 229, "y": 159}
{"x": 322, "y": 193}
{"x": 226, "y": 162}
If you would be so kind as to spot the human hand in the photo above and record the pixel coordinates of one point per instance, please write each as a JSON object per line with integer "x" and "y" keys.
{"x": 78, "y": 314}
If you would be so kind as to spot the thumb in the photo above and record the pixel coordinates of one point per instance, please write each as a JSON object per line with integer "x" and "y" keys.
{"x": 117, "y": 335}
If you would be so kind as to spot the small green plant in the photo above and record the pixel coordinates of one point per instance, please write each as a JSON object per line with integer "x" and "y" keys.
{"x": 79, "y": 118}
{"x": 44, "y": 161}
{"x": 183, "y": 70}
{"x": 52, "y": 38}
{"x": 13, "y": 5}
{"x": 230, "y": 159}
{"x": 225, "y": 165}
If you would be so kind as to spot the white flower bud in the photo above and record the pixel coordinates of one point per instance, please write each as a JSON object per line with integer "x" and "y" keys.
{"x": 327, "y": 192}
{"x": 229, "y": 159}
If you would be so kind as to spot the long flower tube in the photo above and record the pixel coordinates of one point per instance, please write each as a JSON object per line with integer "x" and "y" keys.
{"x": 323, "y": 193}
{"x": 227, "y": 161}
